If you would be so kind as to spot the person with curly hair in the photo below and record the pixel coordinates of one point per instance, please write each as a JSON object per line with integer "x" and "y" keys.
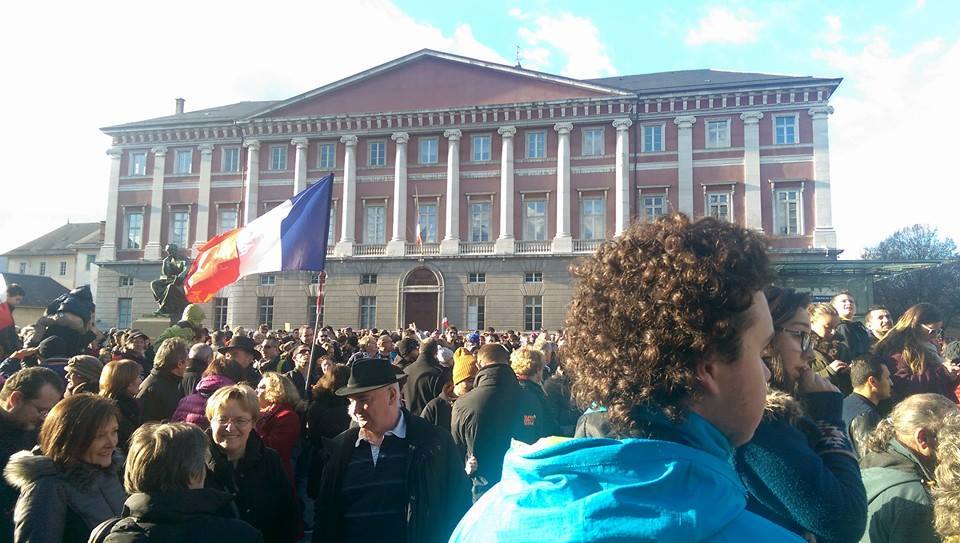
{"x": 912, "y": 351}
{"x": 665, "y": 332}
{"x": 800, "y": 467}
{"x": 946, "y": 494}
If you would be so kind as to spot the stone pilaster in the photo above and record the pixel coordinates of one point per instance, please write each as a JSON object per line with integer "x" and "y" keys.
{"x": 451, "y": 239}
{"x": 108, "y": 251}
{"x": 824, "y": 235}
{"x": 152, "y": 250}
{"x": 348, "y": 227}
{"x": 751, "y": 169}
{"x": 251, "y": 193}
{"x": 505, "y": 241}
{"x": 563, "y": 241}
{"x": 622, "y": 175}
{"x": 300, "y": 165}
{"x": 398, "y": 242}
{"x": 202, "y": 230}
{"x": 685, "y": 163}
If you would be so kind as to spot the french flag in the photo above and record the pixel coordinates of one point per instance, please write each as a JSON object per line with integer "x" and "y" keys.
{"x": 291, "y": 236}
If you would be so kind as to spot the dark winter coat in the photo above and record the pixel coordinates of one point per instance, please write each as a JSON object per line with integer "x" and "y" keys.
{"x": 260, "y": 487}
{"x": 62, "y": 503}
{"x": 485, "y": 419}
{"x": 326, "y": 419}
{"x": 129, "y": 417}
{"x": 536, "y": 419}
{"x": 855, "y": 337}
{"x": 136, "y": 357}
{"x": 425, "y": 380}
{"x": 860, "y": 417}
{"x": 437, "y": 487}
{"x": 934, "y": 379}
{"x": 899, "y": 508}
{"x": 13, "y": 439}
{"x": 560, "y": 403}
{"x": 159, "y": 395}
{"x": 191, "y": 376}
{"x": 438, "y": 411}
{"x": 800, "y": 469}
{"x": 184, "y": 515}
{"x": 299, "y": 381}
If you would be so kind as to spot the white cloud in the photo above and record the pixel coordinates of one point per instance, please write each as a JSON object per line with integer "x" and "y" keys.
{"x": 127, "y": 61}
{"x": 575, "y": 39}
{"x": 518, "y": 13}
{"x": 893, "y": 139}
{"x": 834, "y": 32}
{"x": 722, "y": 25}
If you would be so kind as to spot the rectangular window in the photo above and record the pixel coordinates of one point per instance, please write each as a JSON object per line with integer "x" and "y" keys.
{"x": 126, "y": 281}
{"x": 535, "y": 220}
{"x": 481, "y": 148}
{"x": 478, "y": 277}
{"x": 312, "y": 310}
{"x": 332, "y": 227}
{"x": 278, "y": 157}
{"x": 592, "y": 142}
{"x": 377, "y": 153}
{"x": 592, "y": 218}
{"x": 219, "y": 313}
{"x": 427, "y": 220}
{"x": 532, "y": 313}
{"x": 265, "y": 310}
{"x": 328, "y": 156}
{"x": 428, "y": 150}
{"x": 184, "y": 162}
{"x": 652, "y": 138}
{"x": 533, "y": 277}
{"x": 226, "y": 219}
{"x": 23, "y": 267}
{"x": 268, "y": 279}
{"x": 124, "y": 312}
{"x": 138, "y": 163}
{"x": 536, "y": 144}
{"x": 653, "y": 206}
{"x": 718, "y": 134}
{"x": 718, "y": 205}
{"x": 134, "y": 228}
{"x": 475, "y": 313}
{"x": 480, "y": 218}
{"x": 786, "y": 213}
{"x": 368, "y": 279}
{"x": 374, "y": 221}
{"x": 91, "y": 260}
{"x": 63, "y": 269}
{"x": 179, "y": 227}
{"x": 43, "y": 268}
{"x": 785, "y": 129}
{"x": 230, "y": 159}
{"x": 368, "y": 311}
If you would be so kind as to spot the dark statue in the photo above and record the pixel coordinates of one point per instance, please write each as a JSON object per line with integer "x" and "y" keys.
{"x": 168, "y": 290}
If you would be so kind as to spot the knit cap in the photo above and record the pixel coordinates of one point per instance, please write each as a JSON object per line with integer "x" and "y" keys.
{"x": 464, "y": 366}
{"x": 85, "y": 366}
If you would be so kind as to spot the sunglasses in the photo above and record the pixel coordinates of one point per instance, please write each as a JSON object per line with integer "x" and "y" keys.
{"x": 806, "y": 339}
{"x": 933, "y": 331}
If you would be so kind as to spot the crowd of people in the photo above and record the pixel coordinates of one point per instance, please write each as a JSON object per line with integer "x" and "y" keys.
{"x": 686, "y": 399}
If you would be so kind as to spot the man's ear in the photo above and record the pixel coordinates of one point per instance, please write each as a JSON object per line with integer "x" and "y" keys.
{"x": 925, "y": 443}
{"x": 706, "y": 374}
{"x": 15, "y": 399}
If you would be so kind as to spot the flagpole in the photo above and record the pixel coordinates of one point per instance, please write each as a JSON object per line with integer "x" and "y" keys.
{"x": 316, "y": 331}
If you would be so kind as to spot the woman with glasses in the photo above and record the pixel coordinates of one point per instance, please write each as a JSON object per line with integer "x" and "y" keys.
{"x": 279, "y": 424}
{"x": 242, "y": 465}
{"x": 912, "y": 351}
{"x": 800, "y": 470}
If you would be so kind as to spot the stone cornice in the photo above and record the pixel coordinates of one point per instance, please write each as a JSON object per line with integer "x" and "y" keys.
{"x": 115, "y": 153}
{"x": 820, "y": 112}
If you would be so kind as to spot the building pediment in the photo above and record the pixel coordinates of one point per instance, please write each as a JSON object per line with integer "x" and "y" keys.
{"x": 428, "y": 80}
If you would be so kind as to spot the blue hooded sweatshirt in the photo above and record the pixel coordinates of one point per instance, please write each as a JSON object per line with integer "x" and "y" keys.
{"x": 679, "y": 490}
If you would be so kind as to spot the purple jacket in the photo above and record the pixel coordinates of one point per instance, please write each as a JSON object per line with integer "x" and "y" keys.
{"x": 193, "y": 408}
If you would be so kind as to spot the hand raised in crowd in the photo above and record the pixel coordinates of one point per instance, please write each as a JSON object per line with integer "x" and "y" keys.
{"x": 24, "y": 353}
{"x": 811, "y": 382}
{"x": 472, "y": 465}
{"x": 839, "y": 366}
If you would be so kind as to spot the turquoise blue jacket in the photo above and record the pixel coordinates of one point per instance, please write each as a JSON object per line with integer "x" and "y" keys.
{"x": 601, "y": 490}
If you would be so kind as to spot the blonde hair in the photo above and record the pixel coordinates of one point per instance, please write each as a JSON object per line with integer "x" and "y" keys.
{"x": 366, "y": 341}
{"x": 527, "y": 361}
{"x": 920, "y": 411}
{"x": 280, "y": 390}
{"x": 117, "y": 376}
{"x": 908, "y": 338}
{"x": 946, "y": 493}
{"x": 820, "y": 310}
{"x": 242, "y": 394}
{"x": 165, "y": 457}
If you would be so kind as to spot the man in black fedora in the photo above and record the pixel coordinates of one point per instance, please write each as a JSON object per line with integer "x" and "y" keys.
{"x": 241, "y": 352}
{"x": 394, "y": 476}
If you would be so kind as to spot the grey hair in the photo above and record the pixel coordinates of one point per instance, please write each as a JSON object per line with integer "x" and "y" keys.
{"x": 201, "y": 351}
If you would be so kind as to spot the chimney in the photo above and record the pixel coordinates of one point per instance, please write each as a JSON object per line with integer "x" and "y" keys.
{"x": 179, "y": 106}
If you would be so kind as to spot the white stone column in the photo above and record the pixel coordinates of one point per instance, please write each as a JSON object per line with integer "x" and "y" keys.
{"x": 505, "y": 241}
{"x": 685, "y": 163}
{"x": 202, "y": 230}
{"x": 251, "y": 193}
{"x": 300, "y": 165}
{"x": 152, "y": 251}
{"x": 398, "y": 243}
{"x": 824, "y": 236}
{"x": 622, "y": 174}
{"x": 751, "y": 169}
{"x": 451, "y": 239}
{"x": 349, "y": 226}
{"x": 108, "y": 251}
{"x": 563, "y": 241}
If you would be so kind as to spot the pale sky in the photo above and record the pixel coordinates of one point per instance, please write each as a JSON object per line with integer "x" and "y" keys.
{"x": 72, "y": 67}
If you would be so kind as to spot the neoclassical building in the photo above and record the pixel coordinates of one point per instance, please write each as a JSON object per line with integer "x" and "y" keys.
{"x": 465, "y": 189}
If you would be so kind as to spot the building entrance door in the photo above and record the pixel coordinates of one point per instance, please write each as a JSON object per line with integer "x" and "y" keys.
{"x": 420, "y": 308}
{"x": 421, "y": 298}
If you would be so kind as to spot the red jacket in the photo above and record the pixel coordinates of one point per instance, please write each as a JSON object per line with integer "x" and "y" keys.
{"x": 279, "y": 427}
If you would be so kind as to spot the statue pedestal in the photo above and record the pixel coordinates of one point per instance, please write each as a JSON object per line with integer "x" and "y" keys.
{"x": 151, "y": 325}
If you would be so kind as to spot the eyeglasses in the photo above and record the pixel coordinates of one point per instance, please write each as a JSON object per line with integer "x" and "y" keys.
{"x": 933, "y": 331}
{"x": 806, "y": 339}
{"x": 236, "y": 422}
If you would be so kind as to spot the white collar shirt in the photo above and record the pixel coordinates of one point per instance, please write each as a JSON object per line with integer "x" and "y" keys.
{"x": 400, "y": 430}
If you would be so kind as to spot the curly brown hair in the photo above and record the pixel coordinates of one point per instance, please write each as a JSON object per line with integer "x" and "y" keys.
{"x": 946, "y": 493}
{"x": 651, "y": 303}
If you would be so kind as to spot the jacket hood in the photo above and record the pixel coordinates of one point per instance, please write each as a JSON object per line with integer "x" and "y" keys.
{"x": 495, "y": 374}
{"x": 175, "y": 505}
{"x": 603, "y": 489}
{"x": 782, "y": 406}
{"x": 211, "y": 383}
{"x": 194, "y": 314}
{"x": 26, "y": 467}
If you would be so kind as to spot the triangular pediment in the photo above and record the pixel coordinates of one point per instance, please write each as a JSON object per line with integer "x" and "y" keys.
{"x": 428, "y": 80}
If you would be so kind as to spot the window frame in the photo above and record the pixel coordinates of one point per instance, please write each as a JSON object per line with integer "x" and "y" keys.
{"x": 131, "y": 166}
{"x": 43, "y": 269}
{"x": 368, "y": 312}
{"x": 535, "y": 316}
{"x": 127, "y": 214}
{"x": 707, "y": 143}
{"x": 370, "y": 155}
{"x": 126, "y": 281}
{"x": 273, "y": 166}
{"x": 177, "y": 163}
{"x": 123, "y": 322}
{"x": 421, "y": 141}
{"x": 91, "y": 260}
{"x": 368, "y": 279}
{"x": 23, "y": 268}
{"x": 229, "y": 208}
{"x": 728, "y": 194}
{"x": 472, "y": 233}
{"x": 473, "y": 147}
{"x": 382, "y": 227}
{"x": 533, "y": 277}
{"x": 265, "y": 310}
{"x": 644, "y": 217}
{"x": 583, "y": 140}
{"x": 332, "y": 227}
{"x": 431, "y": 230}
{"x": 220, "y": 307}
{"x": 333, "y": 155}
{"x": 476, "y": 278}
{"x": 602, "y": 217}
{"x": 528, "y": 135}
{"x": 796, "y": 127}
{"x": 525, "y": 218}
{"x": 476, "y": 304}
{"x": 663, "y": 137}
{"x": 173, "y": 212}
{"x": 267, "y": 280}
{"x": 223, "y": 159}
{"x": 63, "y": 269}
{"x": 778, "y": 215}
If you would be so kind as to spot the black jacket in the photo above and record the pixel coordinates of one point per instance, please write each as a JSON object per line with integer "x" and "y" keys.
{"x": 424, "y": 383}
{"x": 439, "y": 411}
{"x": 184, "y": 515}
{"x": 485, "y": 419}
{"x": 139, "y": 359}
{"x": 536, "y": 419}
{"x": 260, "y": 488}
{"x": 192, "y": 376}
{"x": 560, "y": 403}
{"x": 13, "y": 439}
{"x": 438, "y": 488}
{"x": 855, "y": 337}
{"x": 326, "y": 419}
{"x": 159, "y": 395}
{"x": 860, "y": 417}
{"x": 129, "y": 417}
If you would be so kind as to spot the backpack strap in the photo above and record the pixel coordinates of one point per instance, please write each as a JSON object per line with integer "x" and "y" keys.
{"x": 100, "y": 533}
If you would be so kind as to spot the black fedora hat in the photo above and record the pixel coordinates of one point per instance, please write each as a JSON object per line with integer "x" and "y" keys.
{"x": 370, "y": 374}
{"x": 243, "y": 343}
